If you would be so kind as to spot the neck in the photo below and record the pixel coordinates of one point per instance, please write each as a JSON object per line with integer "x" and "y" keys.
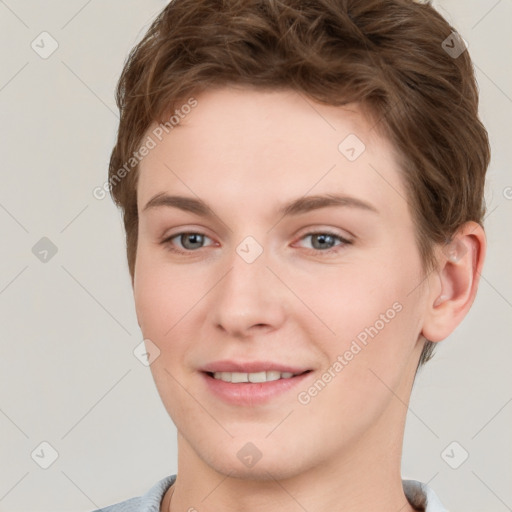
{"x": 362, "y": 477}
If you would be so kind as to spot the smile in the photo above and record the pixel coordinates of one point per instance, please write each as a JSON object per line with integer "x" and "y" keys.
{"x": 250, "y": 389}
{"x": 264, "y": 376}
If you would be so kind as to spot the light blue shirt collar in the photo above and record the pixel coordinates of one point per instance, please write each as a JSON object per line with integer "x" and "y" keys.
{"x": 417, "y": 493}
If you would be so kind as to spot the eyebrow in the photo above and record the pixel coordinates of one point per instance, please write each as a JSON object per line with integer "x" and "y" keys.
{"x": 296, "y": 207}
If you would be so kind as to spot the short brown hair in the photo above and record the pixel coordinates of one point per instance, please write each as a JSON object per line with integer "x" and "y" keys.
{"x": 386, "y": 55}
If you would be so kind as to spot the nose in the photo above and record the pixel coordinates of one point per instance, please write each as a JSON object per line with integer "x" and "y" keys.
{"x": 249, "y": 299}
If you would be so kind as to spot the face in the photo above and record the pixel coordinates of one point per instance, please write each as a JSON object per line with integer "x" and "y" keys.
{"x": 249, "y": 268}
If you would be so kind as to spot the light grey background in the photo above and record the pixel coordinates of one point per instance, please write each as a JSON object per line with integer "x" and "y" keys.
{"x": 68, "y": 326}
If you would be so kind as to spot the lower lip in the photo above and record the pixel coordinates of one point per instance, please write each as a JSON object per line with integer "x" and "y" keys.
{"x": 251, "y": 393}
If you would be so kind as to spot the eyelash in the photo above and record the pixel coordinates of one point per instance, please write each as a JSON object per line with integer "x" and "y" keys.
{"x": 168, "y": 245}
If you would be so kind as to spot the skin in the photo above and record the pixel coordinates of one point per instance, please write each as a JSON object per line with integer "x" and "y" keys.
{"x": 246, "y": 153}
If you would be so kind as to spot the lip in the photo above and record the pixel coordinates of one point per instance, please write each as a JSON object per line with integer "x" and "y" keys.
{"x": 252, "y": 393}
{"x": 250, "y": 367}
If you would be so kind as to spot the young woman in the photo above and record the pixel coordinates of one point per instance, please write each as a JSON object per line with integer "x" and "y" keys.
{"x": 302, "y": 190}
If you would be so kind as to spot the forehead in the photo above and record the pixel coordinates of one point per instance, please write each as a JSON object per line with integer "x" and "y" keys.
{"x": 238, "y": 142}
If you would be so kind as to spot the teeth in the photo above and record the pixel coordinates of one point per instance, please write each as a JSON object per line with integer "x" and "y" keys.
{"x": 251, "y": 377}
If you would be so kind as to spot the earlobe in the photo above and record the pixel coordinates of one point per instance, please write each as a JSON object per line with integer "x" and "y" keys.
{"x": 454, "y": 285}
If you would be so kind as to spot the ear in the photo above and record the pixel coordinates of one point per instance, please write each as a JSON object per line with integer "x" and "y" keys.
{"x": 453, "y": 286}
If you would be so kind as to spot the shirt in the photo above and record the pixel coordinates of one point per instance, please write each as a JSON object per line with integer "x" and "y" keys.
{"x": 417, "y": 493}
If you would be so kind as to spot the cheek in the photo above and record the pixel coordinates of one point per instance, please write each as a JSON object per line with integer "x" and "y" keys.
{"x": 376, "y": 332}
{"x": 162, "y": 300}
{"x": 348, "y": 299}
{"x": 370, "y": 308}
{"x": 158, "y": 296}
{"x": 169, "y": 302}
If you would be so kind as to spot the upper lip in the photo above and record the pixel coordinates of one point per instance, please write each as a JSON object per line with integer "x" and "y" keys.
{"x": 251, "y": 367}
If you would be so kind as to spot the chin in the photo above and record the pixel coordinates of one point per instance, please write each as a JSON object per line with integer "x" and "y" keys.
{"x": 264, "y": 471}
{"x": 253, "y": 461}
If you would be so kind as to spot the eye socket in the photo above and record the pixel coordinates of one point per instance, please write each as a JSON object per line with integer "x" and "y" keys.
{"x": 198, "y": 237}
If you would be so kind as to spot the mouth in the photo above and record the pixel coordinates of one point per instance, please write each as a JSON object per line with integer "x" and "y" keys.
{"x": 253, "y": 388}
{"x": 254, "y": 377}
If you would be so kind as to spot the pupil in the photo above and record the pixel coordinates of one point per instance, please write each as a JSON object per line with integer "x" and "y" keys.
{"x": 322, "y": 238}
{"x": 195, "y": 237}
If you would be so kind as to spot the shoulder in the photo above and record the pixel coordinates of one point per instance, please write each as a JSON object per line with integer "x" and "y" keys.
{"x": 149, "y": 502}
{"x": 422, "y": 497}
{"x": 130, "y": 505}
